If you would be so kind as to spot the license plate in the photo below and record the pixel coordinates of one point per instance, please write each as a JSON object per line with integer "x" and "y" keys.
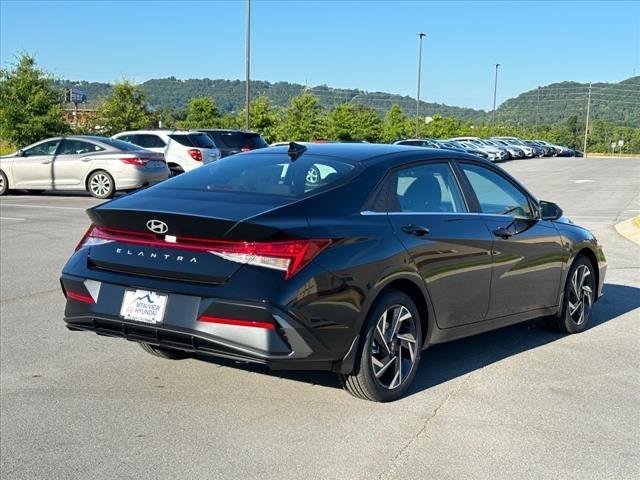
{"x": 143, "y": 306}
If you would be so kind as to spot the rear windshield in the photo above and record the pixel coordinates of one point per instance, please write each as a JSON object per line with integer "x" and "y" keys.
{"x": 269, "y": 174}
{"x": 240, "y": 140}
{"x": 198, "y": 140}
{"x": 120, "y": 145}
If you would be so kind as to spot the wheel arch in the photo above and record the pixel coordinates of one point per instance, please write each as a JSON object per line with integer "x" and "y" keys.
{"x": 7, "y": 176}
{"x": 591, "y": 256}
{"x": 582, "y": 251}
{"x": 98, "y": 169}
{"x": 409, "y": 283}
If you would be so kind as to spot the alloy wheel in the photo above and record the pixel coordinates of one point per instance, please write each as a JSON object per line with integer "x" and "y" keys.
{"x": 1, "y": 183}
{"x": 394, "y": 347}
{"x": 100, "y": 184}
{"x": 581, "y": 295}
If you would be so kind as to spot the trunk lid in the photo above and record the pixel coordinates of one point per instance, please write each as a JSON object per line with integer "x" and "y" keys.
{"x": 166, "y": 232}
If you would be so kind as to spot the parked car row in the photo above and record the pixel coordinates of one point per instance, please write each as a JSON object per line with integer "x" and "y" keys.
{"x": 126, "y": 161}
{"x": 496, "y": 148}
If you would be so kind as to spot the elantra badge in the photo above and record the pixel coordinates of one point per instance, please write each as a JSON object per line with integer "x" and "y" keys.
{"x": 157, "y": 226}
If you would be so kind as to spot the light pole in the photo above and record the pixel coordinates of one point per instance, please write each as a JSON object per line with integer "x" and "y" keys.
{"x": 586, "y": 125}
{"x": 495, "y": 92}
{"x": 248, "y": 62}
{"x": 420, "y": 36}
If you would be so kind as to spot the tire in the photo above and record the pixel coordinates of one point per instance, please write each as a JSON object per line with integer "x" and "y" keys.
{"x": 166, "y": 353}
{"x": 578, "y": 298}
{"x": 101, "y": 185}
{"x": 387, "y": 362}
{"x": 175, "y": 170}
{"x": 4, "y": 184}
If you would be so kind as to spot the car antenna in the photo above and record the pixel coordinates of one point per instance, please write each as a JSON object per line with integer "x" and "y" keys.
{"x": 295, "y": 150}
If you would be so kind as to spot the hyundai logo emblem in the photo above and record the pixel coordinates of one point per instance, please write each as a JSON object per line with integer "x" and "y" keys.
{"x": 157, "y": 226}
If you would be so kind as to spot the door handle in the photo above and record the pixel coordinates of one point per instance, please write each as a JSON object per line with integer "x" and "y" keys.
{"x": 416, "y": 230}
{"x": 45, "y": 162}
{"x": 502, "y": 233}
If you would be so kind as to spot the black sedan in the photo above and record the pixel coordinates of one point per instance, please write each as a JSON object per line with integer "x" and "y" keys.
{"x": 396, "y": 249}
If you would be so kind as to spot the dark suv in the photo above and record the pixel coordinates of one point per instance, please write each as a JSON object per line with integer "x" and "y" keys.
{"x": 235, "y": 141}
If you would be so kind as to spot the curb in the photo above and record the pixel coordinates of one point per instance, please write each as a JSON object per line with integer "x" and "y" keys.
{"x": 630, "y": 229}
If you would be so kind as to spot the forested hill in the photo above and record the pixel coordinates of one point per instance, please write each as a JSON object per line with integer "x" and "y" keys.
{"x": 229, "y": 95}
{"x": 552, "y": 104}
{"x": 618, "y": 103}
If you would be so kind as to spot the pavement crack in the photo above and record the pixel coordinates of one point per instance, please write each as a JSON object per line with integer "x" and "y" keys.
{"x": 30, "y": 295}
{"x": 400, "y": 457}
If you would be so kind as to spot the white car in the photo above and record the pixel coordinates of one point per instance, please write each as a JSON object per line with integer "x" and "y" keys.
{"x": 528, "y": 151}
{"x": 493, "y": 152}
{"x": 183, "y": 150}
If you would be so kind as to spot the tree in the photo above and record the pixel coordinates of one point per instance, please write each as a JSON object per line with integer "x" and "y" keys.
{"x": 30, "y": 104}
{"x": 264, "y": 118}
{"x": 201, "y": 113}
{"x": 395, "y": 125}
{"x": 341, "y": 122}
{"x": 367, "y": 124}
{"x": 441, "y": 127}
{"x": 303, "y": 119}
{"x": 570, "y": 132}
{"x": 168, "y": 117}
{"x": 124, "y": 109}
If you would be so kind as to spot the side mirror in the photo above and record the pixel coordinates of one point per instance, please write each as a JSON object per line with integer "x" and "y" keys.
{"x": 550, "y": 211}
{"x": 20, "y": 153}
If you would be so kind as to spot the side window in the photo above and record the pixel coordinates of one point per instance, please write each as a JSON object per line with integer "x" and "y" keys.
{"x": 496, "y": 194}
{"x": 46, "y": 148}
{"x": 423, "y": 188}
{"x": 150, "y": 141}
{"x": 78, "y": 147}
{"x": 127, "y": 138}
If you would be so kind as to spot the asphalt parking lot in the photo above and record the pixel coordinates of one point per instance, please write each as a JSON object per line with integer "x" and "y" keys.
{"x": 521, "y": 402}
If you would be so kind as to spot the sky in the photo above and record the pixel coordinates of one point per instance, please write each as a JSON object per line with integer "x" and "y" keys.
{"x": 370, "y": 45}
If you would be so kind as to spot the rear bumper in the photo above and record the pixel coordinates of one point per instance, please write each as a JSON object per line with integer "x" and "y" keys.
{"x": 287, "y": 345}
{"x": 135, "y": 178}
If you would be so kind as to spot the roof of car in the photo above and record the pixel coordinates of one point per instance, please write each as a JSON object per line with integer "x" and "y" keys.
{"x": 225, "y": 130}
{"x": 371, "y": 153}
{"x": 159, "y": 130}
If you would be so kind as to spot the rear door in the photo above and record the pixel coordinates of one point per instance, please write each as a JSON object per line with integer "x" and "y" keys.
{"x": 450, "y": 247}
{"x": 35, "y": 168}
{"x": 71, "y": 162}
{"x": 527, "y": 251}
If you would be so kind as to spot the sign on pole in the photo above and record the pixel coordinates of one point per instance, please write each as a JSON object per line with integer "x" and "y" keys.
{"x": 75, "y": 96}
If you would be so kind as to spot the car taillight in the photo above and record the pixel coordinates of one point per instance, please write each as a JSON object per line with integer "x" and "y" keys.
{"x": 195, "y": 154}
{"x": 140, "y": 162}
{"x": 289, "y": 256}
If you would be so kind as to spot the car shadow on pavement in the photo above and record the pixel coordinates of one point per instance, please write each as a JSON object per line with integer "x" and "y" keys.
{"x": 447, "y": 361}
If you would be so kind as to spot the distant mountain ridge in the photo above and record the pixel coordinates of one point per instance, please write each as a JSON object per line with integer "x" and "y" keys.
{"x": 552, "y": 104}
{"x": 618, "y": 103}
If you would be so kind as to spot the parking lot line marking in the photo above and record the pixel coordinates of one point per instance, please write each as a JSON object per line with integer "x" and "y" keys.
{"x": 11, "y": 218}
{"x": 3, "y": 204}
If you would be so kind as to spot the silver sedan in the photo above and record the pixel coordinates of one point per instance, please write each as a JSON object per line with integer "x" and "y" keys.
{"x": 98, "y": 165}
